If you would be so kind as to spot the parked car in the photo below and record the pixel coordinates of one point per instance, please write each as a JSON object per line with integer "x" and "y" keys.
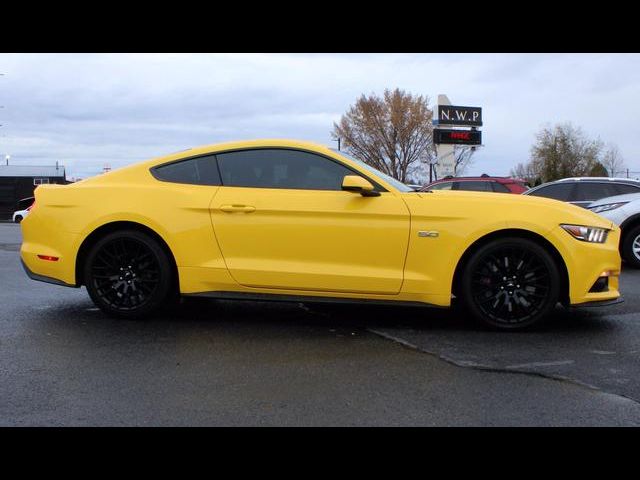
{"x": 296, "y": 221}
{"x": 25, "y": 203}
{"x": 623, "y": 210}
{"x": 19, "y": 215}
{"x": 582, "y": 191}
{"x": 483, "y": 183}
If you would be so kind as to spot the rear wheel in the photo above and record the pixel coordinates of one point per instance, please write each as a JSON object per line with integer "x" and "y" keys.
{"x": 630, "y": 250}
{"x": 510, "y": 284}
{"x": 128, "y": 274}
{"x": 18, "y": 218}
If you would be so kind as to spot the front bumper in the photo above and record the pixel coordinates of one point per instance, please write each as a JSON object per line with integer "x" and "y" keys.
{"x": 597, "y": 303}
{"x": 586, "y": 262}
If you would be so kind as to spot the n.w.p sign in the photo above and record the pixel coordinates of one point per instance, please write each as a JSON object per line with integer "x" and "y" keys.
{"x": 456, "y": 115}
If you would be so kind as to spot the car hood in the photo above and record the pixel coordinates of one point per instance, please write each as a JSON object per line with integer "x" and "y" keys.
{"x": 507, "y": 207}
{"x": 628, "y": 197}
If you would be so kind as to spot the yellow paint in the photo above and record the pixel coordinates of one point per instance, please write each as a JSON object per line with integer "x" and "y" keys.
{"x": 305, "y": 242}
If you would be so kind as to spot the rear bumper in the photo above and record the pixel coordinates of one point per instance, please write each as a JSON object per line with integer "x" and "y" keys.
{"x": 44, "y": 278}
{"x": 44, "y": 237}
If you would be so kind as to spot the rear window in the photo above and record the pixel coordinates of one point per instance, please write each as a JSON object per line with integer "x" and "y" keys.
{"x": 196, "y": 171}
{"x": 474, "y": 186}
{"x": 500, "y": 188}
{"x": 589, "y": 191}
{"x": 623, "y": 188}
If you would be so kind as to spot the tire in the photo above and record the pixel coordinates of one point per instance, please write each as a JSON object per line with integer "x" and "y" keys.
{"x": 18, "y": 218}
{"x": 630, "y": 247}
{"x": 510, "y": 284}
{"x": 128, "y": 274}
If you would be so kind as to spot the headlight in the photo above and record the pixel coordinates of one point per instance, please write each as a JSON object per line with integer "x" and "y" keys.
{"x": 606, "y": 207}
{"x": 587, "y": 234}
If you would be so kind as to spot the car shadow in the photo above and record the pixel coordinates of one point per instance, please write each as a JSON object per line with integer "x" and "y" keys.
{"x": 193, "y": 311}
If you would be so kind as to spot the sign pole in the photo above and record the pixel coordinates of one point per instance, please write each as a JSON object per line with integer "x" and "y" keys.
{"x": 445, "y": 160}
{"x": 445, "y": 139}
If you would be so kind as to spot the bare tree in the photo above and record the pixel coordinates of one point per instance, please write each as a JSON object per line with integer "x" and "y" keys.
{"x": 559, "y": 152}
{"x": 463, "y": 157}
{"x": 392, "y": 133}
{"x": 612, "y": 160}
{"x": 529, "y": 172}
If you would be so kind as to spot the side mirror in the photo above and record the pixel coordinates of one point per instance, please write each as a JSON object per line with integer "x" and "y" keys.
{"x": 358, "y": 184}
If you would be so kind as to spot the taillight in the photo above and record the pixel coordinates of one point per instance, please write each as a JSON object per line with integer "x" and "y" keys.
{"x": 48, "y": 258}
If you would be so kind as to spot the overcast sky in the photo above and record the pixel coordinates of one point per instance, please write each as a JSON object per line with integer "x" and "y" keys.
{"x": 86, "y": 110}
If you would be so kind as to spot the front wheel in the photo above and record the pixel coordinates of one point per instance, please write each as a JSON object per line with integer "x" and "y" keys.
{"x": 510, "y": 284}
{"x": 18, "y": 218}
{"x": 128, "y": 274}
{"x": 630, "y": 247}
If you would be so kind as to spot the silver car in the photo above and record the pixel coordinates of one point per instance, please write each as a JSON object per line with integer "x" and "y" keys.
{"x": 624, "y": 210}
{"x": 582, "y": 191}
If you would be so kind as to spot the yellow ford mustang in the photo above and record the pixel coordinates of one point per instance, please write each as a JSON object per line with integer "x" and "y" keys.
{"x": 289, "y": 220}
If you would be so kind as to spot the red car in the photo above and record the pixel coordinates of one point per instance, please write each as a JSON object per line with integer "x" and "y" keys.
{"x": 484, "y": 183}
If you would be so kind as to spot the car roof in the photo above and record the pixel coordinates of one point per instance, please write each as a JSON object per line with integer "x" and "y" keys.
{"x": 627, "y": 181}
{"x": 487, "y": 178}
{"x": 598, "y": 179}
{"x": 264, "y": 143}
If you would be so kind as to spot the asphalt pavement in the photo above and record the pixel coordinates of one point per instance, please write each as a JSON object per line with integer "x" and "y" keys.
{"x": 206, "y": 362}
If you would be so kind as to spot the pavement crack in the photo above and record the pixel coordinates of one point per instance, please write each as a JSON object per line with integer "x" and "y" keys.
{"x": 513, "y": 369}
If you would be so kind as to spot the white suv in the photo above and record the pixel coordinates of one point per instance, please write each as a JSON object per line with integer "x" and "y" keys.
{"x": 624, "y": 210}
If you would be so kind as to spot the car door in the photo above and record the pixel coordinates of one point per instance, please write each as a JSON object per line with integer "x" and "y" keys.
{"x": 282, "y": 221}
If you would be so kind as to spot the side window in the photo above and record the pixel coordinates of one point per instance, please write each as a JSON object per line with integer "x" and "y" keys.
{"x": 280, "y": 168}
{"x": 475, "y": 186}
{"x": 441, "y": 186}
{"x": 557, "y": 191}
{"x": 623, "y": 188}
{"x": 593, "y": 191}
{"x": 197, "y": 171}
{"x": 499, "y": 187}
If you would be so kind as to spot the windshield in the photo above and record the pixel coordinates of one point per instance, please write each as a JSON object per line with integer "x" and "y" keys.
{"x": 390, "y": 180}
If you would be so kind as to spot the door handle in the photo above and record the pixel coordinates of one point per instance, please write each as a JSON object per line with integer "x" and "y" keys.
{"x": 237, "y": 208}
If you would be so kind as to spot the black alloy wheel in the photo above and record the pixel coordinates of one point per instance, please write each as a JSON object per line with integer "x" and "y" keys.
{"x": 128, "y": 274}
{"x": 511, "y": 284}
{"x": 18, "y": 218}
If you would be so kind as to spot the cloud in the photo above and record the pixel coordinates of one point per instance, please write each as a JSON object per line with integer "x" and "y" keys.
{"x": 86, "y": 110}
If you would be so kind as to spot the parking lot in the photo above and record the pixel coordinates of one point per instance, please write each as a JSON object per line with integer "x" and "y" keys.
{"x": 62, "y": 362}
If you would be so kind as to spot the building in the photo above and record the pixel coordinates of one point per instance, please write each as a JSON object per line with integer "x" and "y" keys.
{"x": 17, "y": 182}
